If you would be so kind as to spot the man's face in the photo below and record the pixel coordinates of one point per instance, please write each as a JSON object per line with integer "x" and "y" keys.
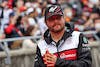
{"x": 55, "y": 23}
{"x": 97, "y": 21}
{"x": 31, "y": 14}
{"x": 86, "y": 13}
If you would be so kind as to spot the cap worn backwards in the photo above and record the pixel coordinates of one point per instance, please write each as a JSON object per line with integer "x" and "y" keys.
{"x": 53, "y": 10}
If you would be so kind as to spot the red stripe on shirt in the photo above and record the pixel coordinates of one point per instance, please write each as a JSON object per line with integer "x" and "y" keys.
{"x": 68, "y": 54}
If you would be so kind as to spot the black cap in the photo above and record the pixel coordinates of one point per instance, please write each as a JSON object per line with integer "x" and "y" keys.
{"x": 12, "y": 14}
{"x": 53, "y": 10}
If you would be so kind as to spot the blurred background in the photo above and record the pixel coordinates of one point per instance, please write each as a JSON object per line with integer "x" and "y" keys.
{"x": 22, "y": 27}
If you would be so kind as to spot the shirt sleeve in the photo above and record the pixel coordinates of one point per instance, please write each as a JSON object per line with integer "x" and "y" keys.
{"x": 9, "y": 29}
{"x": 84, "y": 58}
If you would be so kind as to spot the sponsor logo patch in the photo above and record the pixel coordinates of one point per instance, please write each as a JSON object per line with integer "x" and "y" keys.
{"x": 52, "y": 9}
{"x": 68, "y": 54}
{"x": 85, "y": 40}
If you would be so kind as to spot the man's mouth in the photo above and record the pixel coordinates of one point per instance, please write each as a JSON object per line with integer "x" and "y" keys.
{"x": 56, "y": 25}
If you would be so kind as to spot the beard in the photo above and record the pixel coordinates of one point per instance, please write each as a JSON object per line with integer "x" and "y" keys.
{"x": 52, "y": 29}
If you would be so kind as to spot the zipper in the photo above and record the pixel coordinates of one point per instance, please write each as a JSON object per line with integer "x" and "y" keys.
{"x": 57, "y": 48}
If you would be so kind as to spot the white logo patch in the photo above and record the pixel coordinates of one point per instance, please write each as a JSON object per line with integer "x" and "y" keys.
{"x": 52, "y": 9}
{"x": 36, "y": 57}
{"x": 66, "y": 56}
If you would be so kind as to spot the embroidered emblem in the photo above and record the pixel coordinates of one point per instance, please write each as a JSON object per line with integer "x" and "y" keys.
{"x": 70, "y": 42}
{"x": 85, "y": 40}
{"x": 52, "y": 9}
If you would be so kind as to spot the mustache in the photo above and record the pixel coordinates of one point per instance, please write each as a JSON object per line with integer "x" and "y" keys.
{"x": 56, "y": 24}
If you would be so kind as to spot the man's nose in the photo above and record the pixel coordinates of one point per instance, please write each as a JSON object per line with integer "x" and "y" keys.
{"x": 55, "y": 20}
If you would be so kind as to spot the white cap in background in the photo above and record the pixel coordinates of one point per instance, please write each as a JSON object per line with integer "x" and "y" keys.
{"x": 29, "y": 10}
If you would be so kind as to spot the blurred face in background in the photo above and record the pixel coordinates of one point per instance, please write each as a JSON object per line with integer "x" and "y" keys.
{"x": 5, "y": 4}
{"x": 97, "y": 24}
{"x": 86, "y": 13}
{"x": 10, "y": 18}
{"x": 19, "y": 3}
{"x": 44, "y": 4}
{"x": 33, "y": 14}
{"x": 68, "y": 14}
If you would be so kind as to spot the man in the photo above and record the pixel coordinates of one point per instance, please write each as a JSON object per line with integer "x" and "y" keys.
{"x": 62, "y": 46}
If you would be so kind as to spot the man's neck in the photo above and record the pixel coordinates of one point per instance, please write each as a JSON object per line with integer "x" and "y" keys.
{"x": 58, "y": 35}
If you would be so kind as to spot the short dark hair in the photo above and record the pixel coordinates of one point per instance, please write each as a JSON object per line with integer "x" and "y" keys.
{"x": 29, "y": 30}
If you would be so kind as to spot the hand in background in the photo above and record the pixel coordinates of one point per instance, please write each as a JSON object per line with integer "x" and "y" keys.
{"x": 2, "y": 36}
{"x": 14, "y": 20}
{"x": 49, "y": 59}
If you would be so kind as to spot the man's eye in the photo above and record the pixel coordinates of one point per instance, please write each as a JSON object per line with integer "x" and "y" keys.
{"x": 58, "y": 18}
{"x": 51, "y": 19}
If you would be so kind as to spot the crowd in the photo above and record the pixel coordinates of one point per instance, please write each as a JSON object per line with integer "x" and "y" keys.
{"x": 20, "y": 18}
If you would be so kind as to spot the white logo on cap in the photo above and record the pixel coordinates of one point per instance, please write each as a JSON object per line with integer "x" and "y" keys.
{"x": 52, "y": 9}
